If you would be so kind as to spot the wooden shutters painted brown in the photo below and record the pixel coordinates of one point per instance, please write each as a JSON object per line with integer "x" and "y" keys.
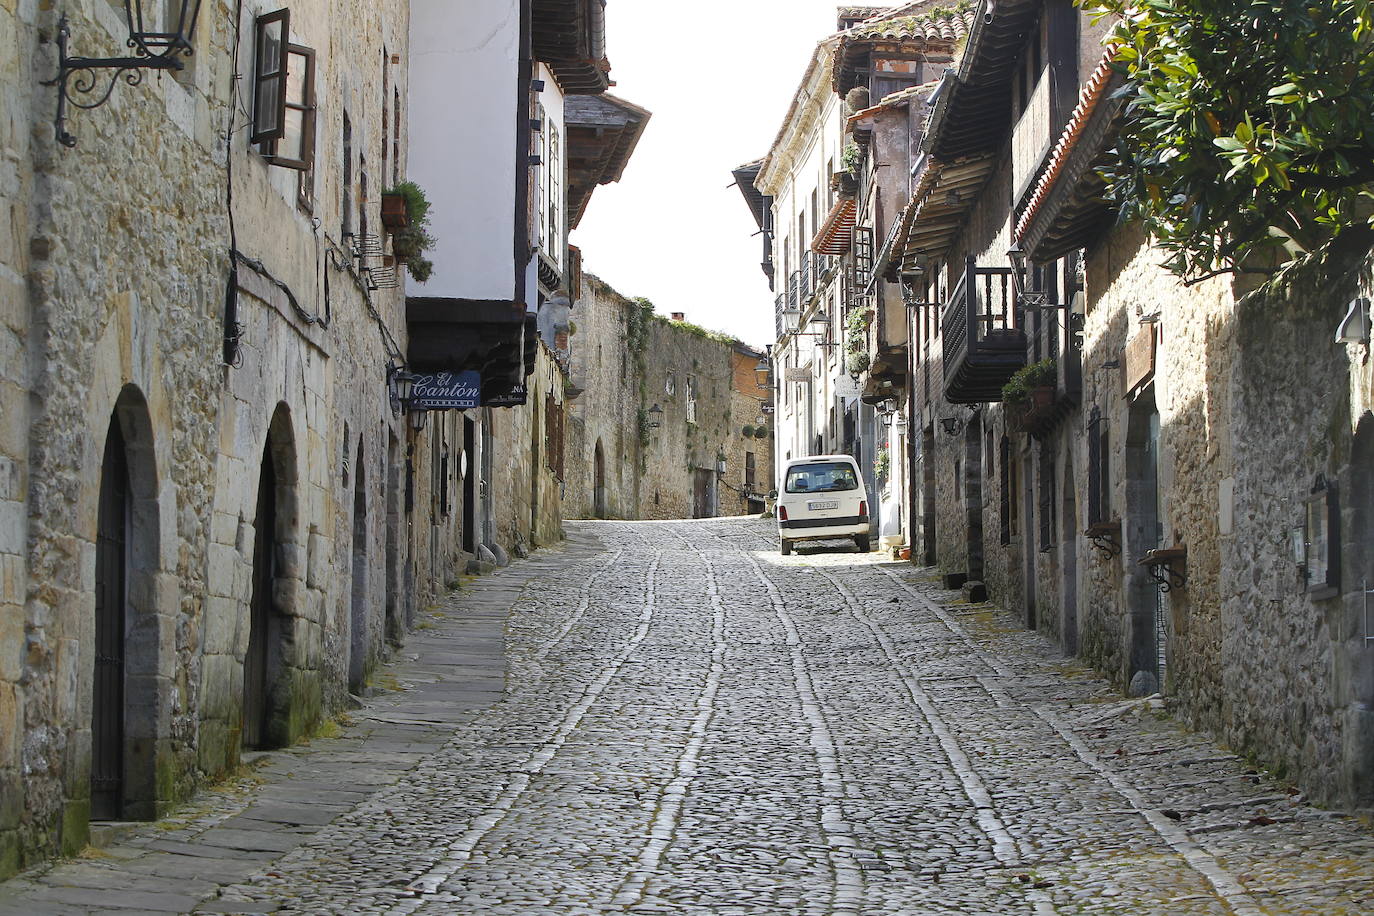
{"x": 271, "y": 32}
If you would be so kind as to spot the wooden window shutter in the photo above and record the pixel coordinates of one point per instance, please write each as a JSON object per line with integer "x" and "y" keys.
{"x": 295, "y": 149}
{"x": 271, "y": 31}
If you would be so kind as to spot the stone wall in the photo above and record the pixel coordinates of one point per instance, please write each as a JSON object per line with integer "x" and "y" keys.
{"x": 627, "y": 360}
{"x": 114, "y": 258}
{"x": 530, "y": 460}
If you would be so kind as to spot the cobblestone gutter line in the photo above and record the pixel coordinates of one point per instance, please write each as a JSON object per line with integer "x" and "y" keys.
{"x": 576, "y": 617}
{"x": 665, "y": 820}
{"x": 1004, "y": 846}
{"x": 460, "y": 851}
{"x": 1199, "y": 859}
{"x": 849, "y": 882}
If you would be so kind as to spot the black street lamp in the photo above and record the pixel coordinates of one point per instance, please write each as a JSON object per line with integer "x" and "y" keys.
{"x": 655, "y": 417}
{"x": 160, "y": 34}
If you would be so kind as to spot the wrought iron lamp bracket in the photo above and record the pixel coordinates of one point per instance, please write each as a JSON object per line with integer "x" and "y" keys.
{"x": 78, "y": 82}
{"x": 1167, "y": 566}
{"x": 1106, "y": 538}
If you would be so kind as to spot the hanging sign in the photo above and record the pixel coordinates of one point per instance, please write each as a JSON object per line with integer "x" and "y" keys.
{"x": 447, "y": 391}
{"x": 796, "y": 374}
{"x": 514, "y": 398}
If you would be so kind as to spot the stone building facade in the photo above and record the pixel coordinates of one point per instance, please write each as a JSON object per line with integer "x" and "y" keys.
{"x": 218, "y": 512}
{"x": 657, "y": 430}
{"x": 1180, "y": 494}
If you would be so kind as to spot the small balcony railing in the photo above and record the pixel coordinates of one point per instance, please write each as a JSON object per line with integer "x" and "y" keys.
{"x": 982, "y": 340}
{"x": 808, "y": 276}
{"x": 794, "y": 291}
{"x": 779, "y": 306}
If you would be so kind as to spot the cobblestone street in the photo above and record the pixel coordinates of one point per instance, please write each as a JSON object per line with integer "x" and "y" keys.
{"x": 692, "y": 723}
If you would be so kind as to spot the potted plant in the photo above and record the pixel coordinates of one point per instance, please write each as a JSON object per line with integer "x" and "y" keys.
{"x": 410, "y": 241}
{"x": 1031, "y": 387}
{"x": 394, "y": 214}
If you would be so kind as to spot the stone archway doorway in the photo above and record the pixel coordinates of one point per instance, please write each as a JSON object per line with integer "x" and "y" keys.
{"x": 127, "y": 716}
{"x": 599, "y": 507}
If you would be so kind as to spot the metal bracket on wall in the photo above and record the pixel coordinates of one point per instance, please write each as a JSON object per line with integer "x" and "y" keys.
{"x": 1167, "y": 566}
{"x": 1106, "y": 537}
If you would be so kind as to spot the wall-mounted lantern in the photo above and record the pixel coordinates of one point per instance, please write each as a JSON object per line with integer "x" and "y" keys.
{"x": 160, "y": 34}
{"x": 763, "y": 371}
{"x": 952, "y": 425}
{"x": 655, "y": 417}
{"x": 791, "y": 319}
{"x": 1321, "y": 540}
{"x": 399, "y": 386}
{"x": 1354, "y": 327}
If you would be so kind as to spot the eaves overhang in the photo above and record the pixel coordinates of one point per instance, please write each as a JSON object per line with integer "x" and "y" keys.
{"x": 836, "y": 233}
{"x": 602, "y": 134}
{"x": 974, "y": 115}
{"x": 1067, "y": 208}
{"x": 569, "y": 37}
{"x": 756, "y": 200}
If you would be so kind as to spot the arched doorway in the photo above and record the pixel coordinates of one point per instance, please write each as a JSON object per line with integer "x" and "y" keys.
{"x": 359, "y": 638}
{"x": 262, "y": 626}
{"x": 395, "y": 626}
{"x": 973, "y": 496}
{"x": 1149, "y": 624}
{"x": 1068, "y": 559}
{"x": 1354, "y": 655}
{"x": 127, "y": 718}
{"x": 111, "y": 609}
{"x": 599, "y": 507}
{"x": 265, "y": 711}
{"x": 929, "y": 553}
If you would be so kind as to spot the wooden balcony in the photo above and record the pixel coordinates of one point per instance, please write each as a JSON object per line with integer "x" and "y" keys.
{"x": 983, "y": 343}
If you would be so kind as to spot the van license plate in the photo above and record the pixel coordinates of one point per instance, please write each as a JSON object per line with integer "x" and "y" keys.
{"x": 824, "y": 504}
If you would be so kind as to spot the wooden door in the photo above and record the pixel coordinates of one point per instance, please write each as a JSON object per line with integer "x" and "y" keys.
{"x": 111, "y": 599}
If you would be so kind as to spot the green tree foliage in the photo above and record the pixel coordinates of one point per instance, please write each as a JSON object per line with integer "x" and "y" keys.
{"x": 1248, "y": 142}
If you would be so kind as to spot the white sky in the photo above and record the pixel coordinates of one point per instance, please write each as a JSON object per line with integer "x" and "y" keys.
{"x": 718, "y": 76}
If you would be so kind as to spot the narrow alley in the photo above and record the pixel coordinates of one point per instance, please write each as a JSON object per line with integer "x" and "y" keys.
{"x": 671, "y": 718}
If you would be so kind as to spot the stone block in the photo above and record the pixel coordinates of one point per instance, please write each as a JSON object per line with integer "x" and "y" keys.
{"x": 975, "y": 591}
{"x": 13, "y": 576}
{"x": 954, "y": 581}
{"x": 13, "y": 526}
{"x": 221, "y": 687}
{"x": 11, "y": 723}
{"x": 222, "y": 616}
{"x": 224, "y": 528}
{"x": 11, "y": 479}
{"x": 11, "y": 642}
{"x": 318, "y": 565}
{"x": 224, "y": 570}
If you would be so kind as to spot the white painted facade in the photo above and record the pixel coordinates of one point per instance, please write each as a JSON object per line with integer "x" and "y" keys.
{"x": 797, "y": 176}
{"x": 463, "y": 142}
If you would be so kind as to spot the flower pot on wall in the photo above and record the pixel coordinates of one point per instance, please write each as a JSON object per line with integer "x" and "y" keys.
{"x": 394, "y": 215}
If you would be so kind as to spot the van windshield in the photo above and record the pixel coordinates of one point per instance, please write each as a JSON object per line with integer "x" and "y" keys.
{"x": 822, "y": 477}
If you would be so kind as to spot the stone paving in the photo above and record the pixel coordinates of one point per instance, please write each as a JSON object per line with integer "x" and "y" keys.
{"x": 691, "y": 723}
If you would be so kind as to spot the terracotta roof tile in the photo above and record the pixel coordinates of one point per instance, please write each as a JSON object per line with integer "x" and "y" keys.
{"x": 1094, "y": 90}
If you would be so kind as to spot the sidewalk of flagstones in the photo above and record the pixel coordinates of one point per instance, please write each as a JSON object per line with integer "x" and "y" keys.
{"x": 451, "y": 667}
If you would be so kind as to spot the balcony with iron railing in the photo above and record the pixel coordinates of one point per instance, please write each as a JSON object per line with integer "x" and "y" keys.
{"x": 808, "y": 277}
{"x": 982, "y": 338}
{"x": 779, "y": 306}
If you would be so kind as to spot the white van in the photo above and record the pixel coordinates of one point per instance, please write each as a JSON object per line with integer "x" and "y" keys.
{"x": 822, "y": 497}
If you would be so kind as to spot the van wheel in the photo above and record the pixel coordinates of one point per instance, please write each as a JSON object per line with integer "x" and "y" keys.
{"x": 786, "y": 547}
{"x": 861, "y": 542}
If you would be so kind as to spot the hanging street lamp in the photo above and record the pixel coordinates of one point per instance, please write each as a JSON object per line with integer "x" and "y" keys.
{"x": 160, "y": 34}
